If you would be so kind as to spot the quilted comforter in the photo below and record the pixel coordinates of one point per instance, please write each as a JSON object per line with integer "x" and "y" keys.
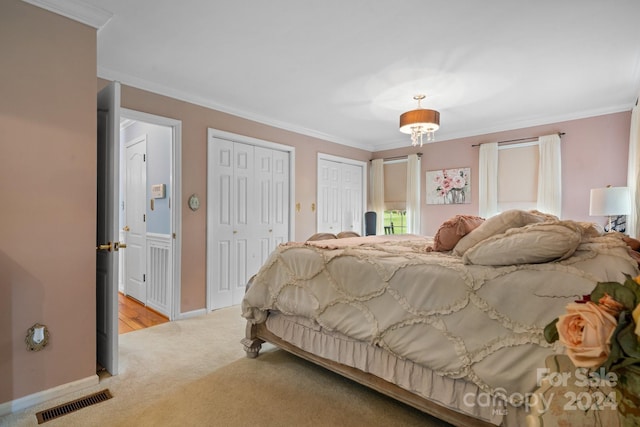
{"x": 482, "y": 323}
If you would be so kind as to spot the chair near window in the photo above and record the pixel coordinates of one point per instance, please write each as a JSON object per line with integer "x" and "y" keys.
{"x": 388, "y": 229}
{"x": 370, "y": 219}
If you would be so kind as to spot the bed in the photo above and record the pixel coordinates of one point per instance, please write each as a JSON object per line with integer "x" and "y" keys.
{"x": 450, "y": 324}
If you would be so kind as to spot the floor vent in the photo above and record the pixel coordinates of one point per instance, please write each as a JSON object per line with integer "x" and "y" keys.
{"x": 67, "y": 408}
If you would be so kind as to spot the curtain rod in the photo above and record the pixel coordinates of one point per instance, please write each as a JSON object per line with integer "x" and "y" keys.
{"x": 512, "y": 141}
{"x": 397, "y": 157}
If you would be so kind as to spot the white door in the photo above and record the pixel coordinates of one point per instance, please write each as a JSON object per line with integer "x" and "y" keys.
{"x": 329, "y": 197}
{"x": 135, "y": 200}
{"x": 108, "y": 141}
{"x": 247, "y": 214}
{"x": 281, "y": 201}
{"x": 341, "y": 195}
{"x": 230, "y": 195}
{"x": 351, "y": 187}
{"x": 272, "y": 202}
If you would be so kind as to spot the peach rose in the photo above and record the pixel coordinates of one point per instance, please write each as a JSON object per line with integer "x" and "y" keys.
{"x": 586, "y": 332}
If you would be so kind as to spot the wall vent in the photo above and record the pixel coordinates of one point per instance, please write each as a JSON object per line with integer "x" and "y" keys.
{"x": 67, "y": 408}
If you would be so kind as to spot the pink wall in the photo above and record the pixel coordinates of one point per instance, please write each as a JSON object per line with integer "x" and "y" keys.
{"x": 48, "y": 194}
{"x": 594, "y": 154}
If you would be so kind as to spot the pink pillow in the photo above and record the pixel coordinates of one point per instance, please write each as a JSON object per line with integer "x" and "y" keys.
{"x": 453, "y": 229}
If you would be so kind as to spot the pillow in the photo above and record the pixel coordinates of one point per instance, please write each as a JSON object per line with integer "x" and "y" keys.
{"x": 453, "y": 229}
{"x": 498, "y": 224}
{"x": 343, "y": 234}
{"x": 591, "y": 229}
{"x": 531, "y": 244}
{"x": 322, "y": 236}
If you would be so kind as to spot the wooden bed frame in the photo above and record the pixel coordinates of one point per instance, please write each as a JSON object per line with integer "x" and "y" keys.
{"x": 257, "y": 334}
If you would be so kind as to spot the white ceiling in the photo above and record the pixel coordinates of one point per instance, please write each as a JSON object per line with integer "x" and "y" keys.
{"x": 344, "y": 70}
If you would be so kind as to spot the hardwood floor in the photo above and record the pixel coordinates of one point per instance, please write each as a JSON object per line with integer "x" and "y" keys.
{"x": 132, "y": 315}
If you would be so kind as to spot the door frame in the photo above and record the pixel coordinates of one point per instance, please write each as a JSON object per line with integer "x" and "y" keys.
{"x": 175, "y": 199}
{"x": 229, "y": 136}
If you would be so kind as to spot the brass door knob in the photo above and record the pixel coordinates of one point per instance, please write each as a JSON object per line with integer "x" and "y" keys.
{"x": 126, "y": 228}
{"x": 106, "y": 247}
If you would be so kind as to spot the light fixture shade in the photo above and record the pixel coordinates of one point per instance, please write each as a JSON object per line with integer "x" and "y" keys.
{"x": 610, "y": 201}
{"x": 429, "y": 120}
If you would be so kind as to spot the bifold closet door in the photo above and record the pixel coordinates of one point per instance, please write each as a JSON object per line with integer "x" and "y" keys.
{"x": 247, "y": 215}
{"x": 339, "y": 197}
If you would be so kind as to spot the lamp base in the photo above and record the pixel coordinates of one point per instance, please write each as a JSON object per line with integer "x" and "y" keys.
{"x": 616, "y": 223}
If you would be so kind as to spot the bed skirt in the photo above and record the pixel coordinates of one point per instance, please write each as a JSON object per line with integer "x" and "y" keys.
{"x": 460, "y": 399}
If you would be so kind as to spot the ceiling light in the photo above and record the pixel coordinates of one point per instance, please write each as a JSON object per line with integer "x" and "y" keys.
{"x": 420, "y": 122}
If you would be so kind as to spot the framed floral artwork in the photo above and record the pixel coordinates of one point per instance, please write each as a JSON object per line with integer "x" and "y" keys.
{"x": 449, "y": 186}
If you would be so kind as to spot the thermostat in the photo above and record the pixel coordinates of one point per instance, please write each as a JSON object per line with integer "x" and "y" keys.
{"x": 158, "y": 191}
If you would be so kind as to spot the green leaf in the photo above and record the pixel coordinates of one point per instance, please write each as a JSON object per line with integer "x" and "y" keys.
{"x": 626, "y": 336}
{"x": 634, "y": 287}
{"x": 551, "y": 331}
{"x": 621, "y": 293}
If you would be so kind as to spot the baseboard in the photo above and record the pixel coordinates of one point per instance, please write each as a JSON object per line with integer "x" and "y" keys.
{"x": 46, "y": 395}
{"x": 193, "y": 313}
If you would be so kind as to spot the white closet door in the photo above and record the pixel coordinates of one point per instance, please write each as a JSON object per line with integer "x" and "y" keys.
{"x": 340, "y": 193}
{"x": 247, "y": 215}
{"x": 245, "y": 224}
{"x": 329, "y": 197}
{"x": 264, "y": 207}
{"x": 351, "y": 185}
{"x": 220, "y": 223}
{"x": 280, "y": 223}
{"x": 272, "y": 198}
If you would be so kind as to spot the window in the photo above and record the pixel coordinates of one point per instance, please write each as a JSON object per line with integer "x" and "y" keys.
{"x": 395, "y": 197}
{"x": 395, "y": 221}
{"x": 518, "y": 176}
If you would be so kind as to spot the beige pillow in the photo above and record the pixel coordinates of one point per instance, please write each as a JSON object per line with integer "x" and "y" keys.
{"x": 453, "y": 229}
{"x": 344, "y": 234}
{"x": 531, "y": 244}
{"x": 322, "y": 236}
{"x": 498, "y": 224}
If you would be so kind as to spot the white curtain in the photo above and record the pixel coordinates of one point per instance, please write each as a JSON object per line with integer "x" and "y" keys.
{"x": 413, "y": 194}
{"x": 377, "y": 193}
{"x": 488, "y": 180}
{"x": 633, "y": 173}
{"x": 550, "y": 175}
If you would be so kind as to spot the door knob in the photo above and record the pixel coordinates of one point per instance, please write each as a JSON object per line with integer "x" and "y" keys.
{"x": 106, "y": 247}
{"x": 119, "y": 245}
{"x": 126, "y": 228}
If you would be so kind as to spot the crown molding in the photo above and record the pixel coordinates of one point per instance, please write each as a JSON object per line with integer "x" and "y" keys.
{"x": 112, "y": 75}
{"x": 77, "y": 10}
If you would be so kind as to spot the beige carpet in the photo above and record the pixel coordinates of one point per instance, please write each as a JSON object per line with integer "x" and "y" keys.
{"x": 193, "y": 372}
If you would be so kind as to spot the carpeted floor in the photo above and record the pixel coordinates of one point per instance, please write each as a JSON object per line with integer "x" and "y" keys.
{"x": 193, "y": 372}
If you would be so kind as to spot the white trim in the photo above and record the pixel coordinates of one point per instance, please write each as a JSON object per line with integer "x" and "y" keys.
{"x": 46, "y": 395}
{"x": 77, "y": 10}
{"x": 174, "y": 201}
{"x": 156, "y": 288}
{"x": 193, "y": 313}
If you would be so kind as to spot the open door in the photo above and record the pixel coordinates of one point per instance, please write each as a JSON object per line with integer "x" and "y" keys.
{"x": 107, "y": 244}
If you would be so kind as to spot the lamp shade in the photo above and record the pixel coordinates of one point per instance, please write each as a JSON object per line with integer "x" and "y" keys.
{"x": 610, "y": 201}
{"x": 428, "y": 120}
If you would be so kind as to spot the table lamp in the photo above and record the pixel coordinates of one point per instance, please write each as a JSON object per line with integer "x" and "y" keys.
{"x": 610, "y": 201}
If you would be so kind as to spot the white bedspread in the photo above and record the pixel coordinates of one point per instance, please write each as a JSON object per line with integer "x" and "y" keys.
{"x": 482, "y": 324}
